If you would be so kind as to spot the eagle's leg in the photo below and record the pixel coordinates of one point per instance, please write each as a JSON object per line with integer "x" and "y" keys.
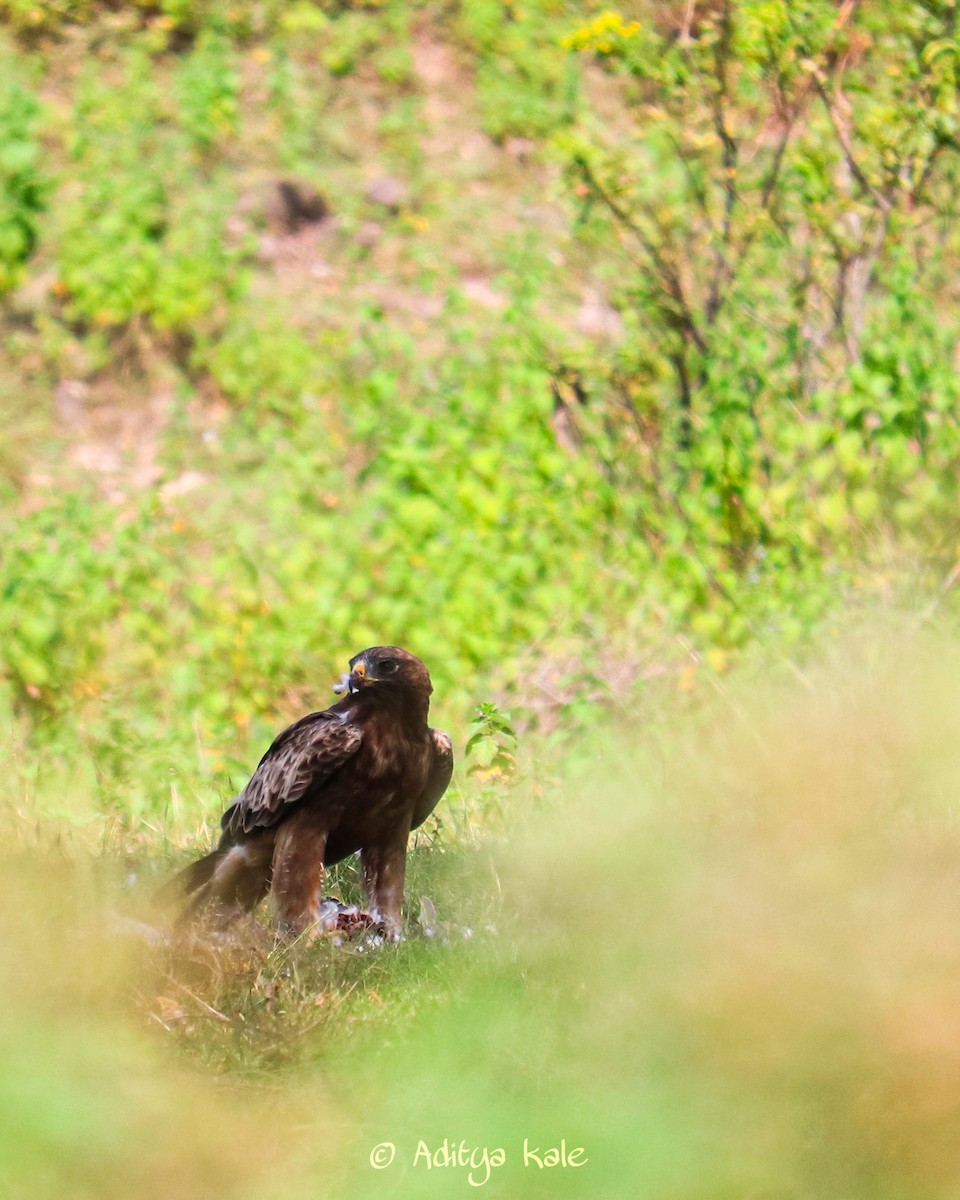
{"x": 298, "y": 871}
{"x": 383, "y": 868}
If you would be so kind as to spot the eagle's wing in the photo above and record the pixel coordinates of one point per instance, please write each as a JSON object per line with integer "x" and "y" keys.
{"x": 302, "y": 757}
{"x": 441, "y": 772}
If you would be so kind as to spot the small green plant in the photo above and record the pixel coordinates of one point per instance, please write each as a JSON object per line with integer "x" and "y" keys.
{"x": 492, "y": 751}
{"x": 493, "y": 743}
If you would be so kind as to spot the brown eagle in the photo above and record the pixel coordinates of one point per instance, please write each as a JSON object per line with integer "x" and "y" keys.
{"x": 357, "y": 776}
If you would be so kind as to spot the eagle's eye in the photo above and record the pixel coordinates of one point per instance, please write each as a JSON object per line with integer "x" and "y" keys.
{"x": 389, "y": 666}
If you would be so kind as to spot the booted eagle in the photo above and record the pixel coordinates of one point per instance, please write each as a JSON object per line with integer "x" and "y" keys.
{"x": 357, "y": 776}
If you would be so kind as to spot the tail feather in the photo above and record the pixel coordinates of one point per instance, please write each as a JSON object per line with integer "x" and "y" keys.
{"x": 231, "y": 880}
{"x": 193, "y": 878}
{"x": 199, "y": 872}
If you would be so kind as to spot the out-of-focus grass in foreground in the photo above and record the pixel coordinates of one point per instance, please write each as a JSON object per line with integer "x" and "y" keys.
{"x": 726, "y": 967}
{"x": 90, "y": 1105}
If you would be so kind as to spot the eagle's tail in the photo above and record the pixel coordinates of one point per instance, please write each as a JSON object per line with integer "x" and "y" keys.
{"x": 230, "y": 880}
{"x": 198, "y": 873}
{"x": 194, "y": 881}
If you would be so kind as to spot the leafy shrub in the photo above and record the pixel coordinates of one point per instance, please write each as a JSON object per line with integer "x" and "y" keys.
{"x": 139, "y": 237}
{"x": 29, "y": 17}
{"x": 206, "y": 86}
{"x": 65, "y": 577}
{"x": 22, "y": 184}
{"x": 774, "y": 182}
{"x": 262, "y": 364}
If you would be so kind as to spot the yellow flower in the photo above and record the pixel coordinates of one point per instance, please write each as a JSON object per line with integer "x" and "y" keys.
{"x": 605, "y": 34}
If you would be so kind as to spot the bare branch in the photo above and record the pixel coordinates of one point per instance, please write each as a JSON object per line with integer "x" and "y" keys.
{"x": 687, "y": 23}
{"x": 729, "y": 163}
{"x": 843, "y": 140}
{"x": 669, "y": 277}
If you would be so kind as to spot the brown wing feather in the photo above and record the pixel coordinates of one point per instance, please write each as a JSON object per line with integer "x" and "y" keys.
{"x": 301, "y": 758}
{"x": 441, "y": 772}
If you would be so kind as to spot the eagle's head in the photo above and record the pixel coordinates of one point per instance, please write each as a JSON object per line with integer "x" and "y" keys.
{"x": 386, "y": 667}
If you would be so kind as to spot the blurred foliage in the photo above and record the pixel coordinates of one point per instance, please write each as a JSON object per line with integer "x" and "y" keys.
{"x": 728, "y": 948}
{"x": 90, "y": 1102}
